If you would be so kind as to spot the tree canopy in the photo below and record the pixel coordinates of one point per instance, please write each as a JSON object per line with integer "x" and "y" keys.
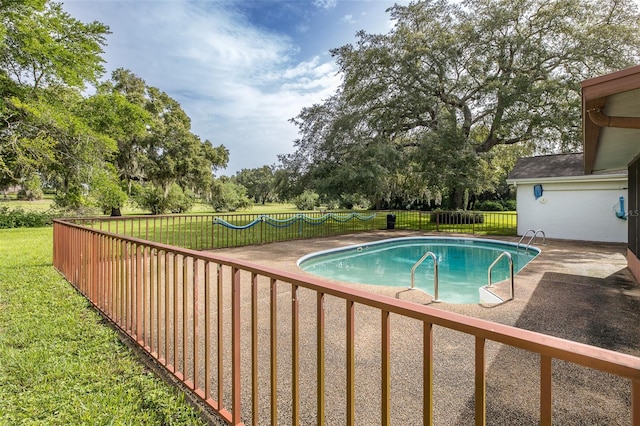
{"x": 259, "y": 182}
{"x": 126, "y": 139}
{"x": 46, "y": 58}
{"x": 422, "y": 109}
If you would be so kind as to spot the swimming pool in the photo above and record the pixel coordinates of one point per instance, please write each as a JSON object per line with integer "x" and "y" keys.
{"x": 462, "y": 264}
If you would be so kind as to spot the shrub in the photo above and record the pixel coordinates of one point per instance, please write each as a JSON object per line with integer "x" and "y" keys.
{"x": 457, "y": 217}
{"x": 308, "y": 200}
{"x": 151, "y": 198}
{"x": 107, "y": 193}
{"x": 179, "y": 200}
{"x": 489, "y": 206}
{"x": 355, "y": 201}
{"x": 496, "y": 205}
{"x": 332, "y": 205}
{"x": 71, "y": 199}
{"x": 228, "y": 196}
{"x": 509, "y": 205}
{"x": 109, "y": 197}
{"x": 31, "y": 189}
{"x": 19, "y": 218}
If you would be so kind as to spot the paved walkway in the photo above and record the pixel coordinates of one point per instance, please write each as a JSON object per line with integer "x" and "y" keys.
{"x": 580, "y": 291}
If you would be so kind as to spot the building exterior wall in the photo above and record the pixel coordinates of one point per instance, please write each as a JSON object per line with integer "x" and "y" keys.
{"x": 582, "y": 210}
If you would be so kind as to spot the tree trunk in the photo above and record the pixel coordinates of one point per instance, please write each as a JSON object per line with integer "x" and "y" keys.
{"x": 458, "y": 199}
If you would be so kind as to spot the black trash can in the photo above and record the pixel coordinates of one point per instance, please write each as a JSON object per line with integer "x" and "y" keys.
{"x": 391, "y": 221}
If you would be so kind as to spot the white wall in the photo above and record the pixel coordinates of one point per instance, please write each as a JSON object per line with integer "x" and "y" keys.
{"x": 574, "y": 210}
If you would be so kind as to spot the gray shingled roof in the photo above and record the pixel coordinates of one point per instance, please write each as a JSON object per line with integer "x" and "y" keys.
{"x": 558, "y": 165}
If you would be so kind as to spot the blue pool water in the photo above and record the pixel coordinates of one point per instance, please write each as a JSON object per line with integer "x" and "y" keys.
{"x": 462, "y": 264}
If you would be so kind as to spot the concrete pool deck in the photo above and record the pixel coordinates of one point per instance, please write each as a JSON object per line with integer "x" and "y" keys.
{"x": 576, "y": 290}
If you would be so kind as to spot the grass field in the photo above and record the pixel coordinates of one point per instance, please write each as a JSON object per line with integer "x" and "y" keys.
{"x": 37, "y": 205}
{"x": 59, "y": 363}
{"x": 47, "y": 202}
{"x": 208, "y": 231}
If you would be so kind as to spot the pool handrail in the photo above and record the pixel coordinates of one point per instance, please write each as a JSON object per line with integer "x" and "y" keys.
{"x": 544, "y": 238}
{"x": 508, "y": 255}
{"x": 523, "y": 236}
{"x": 435, "y": 273}
{"x": 535, "y": 233}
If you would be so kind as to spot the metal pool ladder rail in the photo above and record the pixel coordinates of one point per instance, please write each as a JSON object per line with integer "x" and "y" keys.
{"x": 435, "y": 273}
{"x": 535, "y": 233}
{"x": 508, "y": 255}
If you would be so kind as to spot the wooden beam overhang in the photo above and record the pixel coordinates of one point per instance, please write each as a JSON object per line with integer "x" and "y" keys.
{"x": 591, "y": 134}
{"x": 594, "y": 98}
{"x": 601, "y": 119}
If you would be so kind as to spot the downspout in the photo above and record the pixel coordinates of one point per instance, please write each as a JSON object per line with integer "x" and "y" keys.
{"x": 599, "y": 118}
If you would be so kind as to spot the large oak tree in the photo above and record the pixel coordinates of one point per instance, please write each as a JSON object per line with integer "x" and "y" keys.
{"x": 421, "y": 108}
{"x": 47, "y": 58}
{"x": 82, "y": 145}
{"x": 160, "y": 149}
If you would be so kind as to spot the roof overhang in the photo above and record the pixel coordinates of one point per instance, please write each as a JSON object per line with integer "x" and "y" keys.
{"x": 621, "y": 176}
{"x": 611, "y": 120}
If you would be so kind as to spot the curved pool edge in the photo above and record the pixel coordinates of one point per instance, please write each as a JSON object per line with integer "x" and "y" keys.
{"x": 533, "y": 251}
{"x": 389, "y": 240}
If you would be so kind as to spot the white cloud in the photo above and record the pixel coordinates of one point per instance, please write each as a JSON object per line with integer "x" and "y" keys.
{"x": 302, "y": 28}
{"x": 348, "y": 19}
{"x": 312, "y": 67}
{"x": 240, "y": 85}
{"x": 325, "y": 4}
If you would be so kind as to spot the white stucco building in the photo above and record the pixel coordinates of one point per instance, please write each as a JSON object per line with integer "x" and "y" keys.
{"x": 554, "y": 194}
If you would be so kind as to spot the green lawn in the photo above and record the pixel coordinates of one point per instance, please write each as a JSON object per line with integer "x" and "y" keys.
{"x": 200, "y": 208}
{"x": 59, "y": 363}
{"x": 36, "y": 206}
{"x": 46, "y": 203}
{"x": 203, "y": 232}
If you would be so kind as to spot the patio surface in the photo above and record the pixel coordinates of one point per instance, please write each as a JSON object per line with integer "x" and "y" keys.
{"x": 576, "y": 290}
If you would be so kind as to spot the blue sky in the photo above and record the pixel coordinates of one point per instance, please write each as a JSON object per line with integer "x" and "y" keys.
{"x": 240, "y": 69}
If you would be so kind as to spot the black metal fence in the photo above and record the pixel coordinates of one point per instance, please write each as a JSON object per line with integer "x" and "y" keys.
{"x": 206, "y": 231}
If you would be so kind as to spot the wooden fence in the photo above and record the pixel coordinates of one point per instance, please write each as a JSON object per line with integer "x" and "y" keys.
{"x": 262, "y": 346}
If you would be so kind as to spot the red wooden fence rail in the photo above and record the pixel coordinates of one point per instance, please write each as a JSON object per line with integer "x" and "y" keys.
{"x": 203, "y": 317}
